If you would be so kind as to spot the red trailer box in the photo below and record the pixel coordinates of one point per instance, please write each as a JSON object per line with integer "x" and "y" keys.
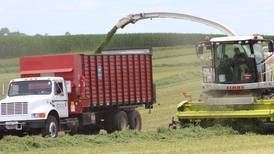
{"x": 100, "y": 81}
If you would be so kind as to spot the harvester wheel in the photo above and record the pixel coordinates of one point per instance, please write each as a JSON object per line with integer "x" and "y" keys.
{"x": 184, "y": 123}
{"x": 207, "y": 123}
{"x": 248, "y": 125}
{"x": 51, "y": 128}
{"x": 134, "y": 120}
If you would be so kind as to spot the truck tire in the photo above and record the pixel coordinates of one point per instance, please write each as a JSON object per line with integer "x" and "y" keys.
{"x": 1, "y": 135}
{"x": 90, "y": 130}
{"x": 95, "y": 130}
{"x": 134, "y": 120}
{"x": 73, "y": 131}
{"x": 109, "y": 123}
{"x": 120, "y": 121}
{"x": 52, "y": 127}
{"x": 116, "y": 121}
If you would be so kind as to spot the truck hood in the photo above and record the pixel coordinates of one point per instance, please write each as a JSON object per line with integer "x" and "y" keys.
{"x": 26, "y": 98}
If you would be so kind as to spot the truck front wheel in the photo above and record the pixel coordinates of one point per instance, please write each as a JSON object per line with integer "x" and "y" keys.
{"x": 51, "y": 128}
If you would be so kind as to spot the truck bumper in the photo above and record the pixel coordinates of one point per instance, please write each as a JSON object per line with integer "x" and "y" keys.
{"x": 196, "y": 111}
{"x": 21, "y": 125}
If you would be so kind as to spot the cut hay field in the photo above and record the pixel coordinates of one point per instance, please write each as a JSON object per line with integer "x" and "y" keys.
{"x": 176, "y": 69}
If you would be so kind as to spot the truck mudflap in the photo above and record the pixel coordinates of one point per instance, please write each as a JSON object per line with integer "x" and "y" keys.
{"x": 194, "y": 111}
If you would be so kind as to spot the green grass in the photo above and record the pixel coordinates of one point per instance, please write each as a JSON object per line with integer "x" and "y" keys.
{"x": 176, "y": 69}
{"x": 189, "y": 140}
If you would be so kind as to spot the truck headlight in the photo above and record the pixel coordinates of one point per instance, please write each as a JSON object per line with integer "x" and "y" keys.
{"x": 38, "y": 115}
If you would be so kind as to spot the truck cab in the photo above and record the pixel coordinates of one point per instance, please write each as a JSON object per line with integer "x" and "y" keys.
{"x": 30, "y": 101}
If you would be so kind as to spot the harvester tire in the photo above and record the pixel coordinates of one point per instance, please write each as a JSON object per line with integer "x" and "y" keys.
{"x": 52, "y": 127}
{"x": 184, "y": 123}
{"x": 134, "y": 120}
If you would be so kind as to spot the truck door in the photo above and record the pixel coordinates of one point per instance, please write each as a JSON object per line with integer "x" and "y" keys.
{"x": 60, "y": 100}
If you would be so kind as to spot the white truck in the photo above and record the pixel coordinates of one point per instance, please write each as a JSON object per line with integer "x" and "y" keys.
{"x": 78, "y": 93}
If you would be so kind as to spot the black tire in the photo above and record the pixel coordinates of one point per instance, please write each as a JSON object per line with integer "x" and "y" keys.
{"x": 1, "y": 135}
{"x": 52, "y": 127}
{"x": 117, "y": 121}
{"x": 109, "y": 123}
{"x": 73, "y": 131}
{"x": 184, "y": 123}
{"x": 134, "y": 120}
{"x": 90, "y": 130}
{"x": 95, "y": 130}
{"x": 120, "y": 121}
{"x": 21, "y": 134}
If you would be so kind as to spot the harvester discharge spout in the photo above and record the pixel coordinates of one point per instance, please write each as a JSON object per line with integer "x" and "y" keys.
{"x": 133, "y": 18}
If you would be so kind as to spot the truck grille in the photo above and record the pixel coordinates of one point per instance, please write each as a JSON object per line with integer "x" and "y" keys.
{"x": 14, "y": 108}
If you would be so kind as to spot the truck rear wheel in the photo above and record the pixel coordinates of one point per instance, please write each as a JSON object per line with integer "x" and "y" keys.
{"x": 116, "y": 121}
{"x": 134, "y": 120}
{"x": 51, "y": 128}
{"x": 120, "y": 121}
{"x": 95, "y": 130}
{"x": 90, "y": 130}
{"x": 1, "y": 135}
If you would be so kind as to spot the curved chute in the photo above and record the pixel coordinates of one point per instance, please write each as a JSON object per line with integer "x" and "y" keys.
{"x": 133, "y": 18}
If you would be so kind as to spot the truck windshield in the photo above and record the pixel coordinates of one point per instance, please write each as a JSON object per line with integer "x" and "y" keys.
{"x": 38, "y": 87}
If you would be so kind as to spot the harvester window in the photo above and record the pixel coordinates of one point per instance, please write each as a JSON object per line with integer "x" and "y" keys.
{"x": 233, "y": 63}
{"x": 258, "y": 51}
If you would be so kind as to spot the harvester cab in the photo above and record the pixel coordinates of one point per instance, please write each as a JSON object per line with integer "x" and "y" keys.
{"x": 235, "y": 59}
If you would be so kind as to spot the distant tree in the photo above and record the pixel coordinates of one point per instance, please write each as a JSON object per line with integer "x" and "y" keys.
{"x": 4, "y": 31}
{"x": 38, "y": 34}
{"x": 16, "y": 33}
{"x": 67, "y": 33}
{"x": 46, "y": 34}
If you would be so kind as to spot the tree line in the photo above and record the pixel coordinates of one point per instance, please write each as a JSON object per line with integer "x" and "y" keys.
{"x": 22, "y": 45}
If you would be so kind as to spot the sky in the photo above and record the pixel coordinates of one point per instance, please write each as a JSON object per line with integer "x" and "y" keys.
{"x": 55, "y": 17}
